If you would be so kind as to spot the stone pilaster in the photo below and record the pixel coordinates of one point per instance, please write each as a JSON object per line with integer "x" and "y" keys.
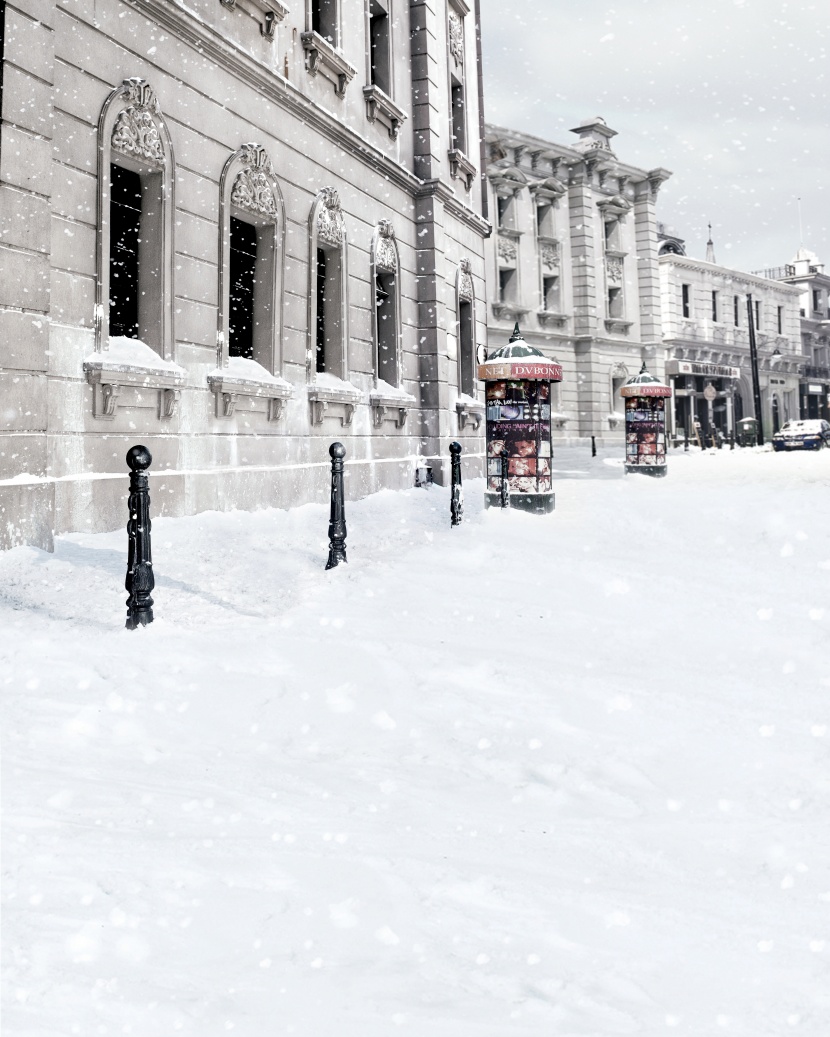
{"x": 428, "y": 100}
{"x": 25, "y": 253}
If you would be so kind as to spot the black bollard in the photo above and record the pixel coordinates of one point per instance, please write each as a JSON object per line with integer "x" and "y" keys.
{"x": 593, "y": 446}
{"x": 457, "y": 497}
{"x": 504, "y": 492}
{"x": 140, "y": 579}
{"x": 731, "y": 439}
{"x": 686, "y": 437}
{"x": 337, "y": 516}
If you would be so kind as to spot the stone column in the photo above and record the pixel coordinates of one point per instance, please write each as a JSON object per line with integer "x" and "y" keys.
{"x": 648, "y": 273}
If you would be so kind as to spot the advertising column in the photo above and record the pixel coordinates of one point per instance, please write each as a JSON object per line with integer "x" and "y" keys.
{"x": 645, "y": 424}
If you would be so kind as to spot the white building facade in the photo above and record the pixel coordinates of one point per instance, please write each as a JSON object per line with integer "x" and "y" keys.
{"x": 573, "y": 259}
{"x": 706, "y": 335}
{"x": 806, "y": 272}
{"x": 234, "y": 231}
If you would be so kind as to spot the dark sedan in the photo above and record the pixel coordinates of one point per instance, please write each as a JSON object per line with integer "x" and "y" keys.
{"x": 812, "y": 434}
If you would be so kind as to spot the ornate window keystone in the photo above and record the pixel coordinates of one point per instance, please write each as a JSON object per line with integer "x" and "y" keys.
{"x": 455, "y": 30}
{"x": 252, "y": 189}
{"x": 330, "y": 224}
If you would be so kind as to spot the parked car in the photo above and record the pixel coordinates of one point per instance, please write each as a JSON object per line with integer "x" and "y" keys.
{"x": 811, "y": 434}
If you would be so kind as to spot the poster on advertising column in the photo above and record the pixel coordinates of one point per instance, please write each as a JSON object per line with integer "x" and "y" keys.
{"x": 645, "y": 430}
{"x": 518, "y": 421}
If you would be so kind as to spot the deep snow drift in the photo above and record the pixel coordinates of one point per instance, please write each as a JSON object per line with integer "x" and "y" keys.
{"x": 535, "y": 775}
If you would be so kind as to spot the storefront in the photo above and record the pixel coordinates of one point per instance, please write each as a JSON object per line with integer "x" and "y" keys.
{"x": 815, "y": 396}
{"x": 706, "y": 394}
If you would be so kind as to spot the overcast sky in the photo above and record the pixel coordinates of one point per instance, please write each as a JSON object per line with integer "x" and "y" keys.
{"x": 730, "y": 95}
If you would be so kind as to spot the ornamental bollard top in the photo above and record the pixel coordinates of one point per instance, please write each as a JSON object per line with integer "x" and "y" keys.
{"x": 140, "y": 579}
{"x": 337, "y": 515}
{"x": 645, "y": 423}
{"x": 457, "y": 493}
{"x": 518, "y": 379}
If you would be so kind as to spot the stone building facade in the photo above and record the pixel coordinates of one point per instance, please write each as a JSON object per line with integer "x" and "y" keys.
{"x": 574, "y": 260}
{"x": 806, "y": 272}
{"x": 706, "y": 334}
{"x": 234, "y": 231}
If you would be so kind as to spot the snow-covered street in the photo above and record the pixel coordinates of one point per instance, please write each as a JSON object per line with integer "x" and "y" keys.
{"x": 561, "y": 775}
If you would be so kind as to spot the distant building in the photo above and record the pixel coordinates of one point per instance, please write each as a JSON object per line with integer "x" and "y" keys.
{"x": 234, "y": 232}
{"x": 706, "y": 334}
{"x": 806, "y": 273}
{"x": 573, "y": 259}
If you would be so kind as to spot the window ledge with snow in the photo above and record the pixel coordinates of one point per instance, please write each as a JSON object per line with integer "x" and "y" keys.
{"x": 548, "y": 318}
{"x": 618, "y": 325}
{"x": 381, "y": 107}
{"x": 461, "y": 168}
{"x": 559, "y": 420}
{"x": 390, "y": 403}
{"x": 267, "y": 12}
{"x": 329, "y": 389}
{"x": 470, "y": 412}
{"x": 131, "y": 363}
{"x": 615, "y": 419}
{"x": 321, "y": 56}
{"x": 244, "y": 377}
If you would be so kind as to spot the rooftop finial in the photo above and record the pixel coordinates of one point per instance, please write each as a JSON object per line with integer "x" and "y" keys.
{"x": 710, "y": 248}
{"x": 516, "y": 333}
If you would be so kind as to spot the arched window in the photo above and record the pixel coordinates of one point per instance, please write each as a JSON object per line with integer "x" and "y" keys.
{"x": 465, "y": 303}
{"x": 386, "y": 321}
{"x": 327, "y": 304}
{"x": 252, "y": 230}
{"x": 134, "y": 288}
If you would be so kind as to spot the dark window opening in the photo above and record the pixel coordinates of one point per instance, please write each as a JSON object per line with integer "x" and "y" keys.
{"x": 550, "y": 294}
{"x": 544, "y": 220}
{"x": 757, "y": 316}
{"x": 387, "y": 328}
{"x": 780, "y": 320}
{"x": 615, "y": 302}
{"x": 816, "y": 300}
{"x": 503, "y": 210}
{"x": 125, "y": 234}
{"x": 507, "y": 285}
{"x": 736, "y": 306}
{"x": 379, "y": 47}
{"x": 321, "y": 310}
{"x": 324, "y": 19}
{"x": 242, "y": 282}
{"x": 466, "y": 350}
{"x": 686, "y": 297}
{"x": 714, "y": 306}
{"x": 459, "y": 131}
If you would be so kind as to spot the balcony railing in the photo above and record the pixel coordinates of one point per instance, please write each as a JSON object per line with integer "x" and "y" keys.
{"x": 776, "y": 273}
{"x": 812, "y": 371}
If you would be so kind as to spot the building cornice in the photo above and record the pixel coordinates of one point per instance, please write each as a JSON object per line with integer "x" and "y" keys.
{"x": 737, "y": 276}
{"x": 276, "y": 88}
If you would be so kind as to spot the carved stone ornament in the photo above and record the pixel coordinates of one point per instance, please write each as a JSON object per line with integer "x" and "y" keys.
{"x": 456, "y": 34}
{"x": 136, "y": 133}
{"x": 330, "y": 224}
{"x": 614, "y": 269}
{"x": 252, "y": 189}
{"x": 386, "y": 253}
{"x": 465, "y": 281}
{"x": 141, "y": 93}
{"x": 507, "y": 250}
{"x": 550, "y": 255}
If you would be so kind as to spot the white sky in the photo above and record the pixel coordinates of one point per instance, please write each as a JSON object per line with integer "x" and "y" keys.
{"x": 731, "y": 95}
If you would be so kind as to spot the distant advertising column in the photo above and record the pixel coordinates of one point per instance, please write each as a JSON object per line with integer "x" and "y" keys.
{"x": 517, "y": 379}
{"x": 645, "y": 423}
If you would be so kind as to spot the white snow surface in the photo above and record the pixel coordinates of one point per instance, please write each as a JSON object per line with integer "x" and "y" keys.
{"x": 131, "y": 353}
{"x": 561, "y": 775}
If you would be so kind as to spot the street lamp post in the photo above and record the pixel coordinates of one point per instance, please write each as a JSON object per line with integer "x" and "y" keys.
{"x": 753, "y": 360}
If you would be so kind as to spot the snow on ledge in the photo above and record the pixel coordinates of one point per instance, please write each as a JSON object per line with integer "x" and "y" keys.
{"x": 327, "y": 385}
{"x": 242, "y": 370}
{"x": 384, "y": 392}
{"x": 131, "y": 355}
{"x": 468, "y": 402}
